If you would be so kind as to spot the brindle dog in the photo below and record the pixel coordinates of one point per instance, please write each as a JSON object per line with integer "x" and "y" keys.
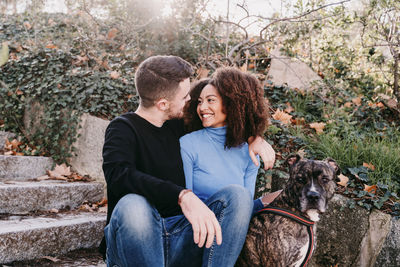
{"x": 274, "y": 240}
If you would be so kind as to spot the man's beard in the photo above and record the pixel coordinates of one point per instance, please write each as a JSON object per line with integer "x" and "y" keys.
{"x": 174, "y": 115}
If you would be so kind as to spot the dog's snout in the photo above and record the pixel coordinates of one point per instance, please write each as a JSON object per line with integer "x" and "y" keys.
{"x": 313, "y": 195}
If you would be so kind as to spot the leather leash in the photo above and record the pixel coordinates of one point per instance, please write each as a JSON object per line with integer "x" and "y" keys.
{"x": 300, "y": 219}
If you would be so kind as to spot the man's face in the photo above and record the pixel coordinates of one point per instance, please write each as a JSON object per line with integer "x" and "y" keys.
{"x": 182, "y": 96}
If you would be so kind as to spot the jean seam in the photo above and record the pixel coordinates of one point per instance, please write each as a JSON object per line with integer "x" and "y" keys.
{"x": 214, "y": 243}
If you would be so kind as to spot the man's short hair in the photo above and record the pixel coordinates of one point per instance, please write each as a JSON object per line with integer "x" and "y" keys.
{"x": 159, "y": 77}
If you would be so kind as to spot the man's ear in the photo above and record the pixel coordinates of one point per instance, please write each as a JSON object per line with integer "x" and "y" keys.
{"x": 162, "y": 104}
{"x": 293, "y": 159}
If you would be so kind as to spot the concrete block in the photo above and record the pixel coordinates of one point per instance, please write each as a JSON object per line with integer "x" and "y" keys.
{"x": 290, "y": 71}
{"x": 23, "y": 167}
{"x": 37, "y": 237}
{"x": 23, "y": 197}
{"x": 390, "y": 253}
{"x": 89, "y": 147}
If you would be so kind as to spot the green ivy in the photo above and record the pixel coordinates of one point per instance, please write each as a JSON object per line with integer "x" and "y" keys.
{"x": 48, "y": 88}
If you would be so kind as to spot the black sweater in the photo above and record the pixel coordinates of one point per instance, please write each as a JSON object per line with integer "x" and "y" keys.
{"x": 141, "y": 158}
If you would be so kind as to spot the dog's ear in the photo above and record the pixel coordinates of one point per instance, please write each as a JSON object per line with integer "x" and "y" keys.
{"x": 293, "y": 159}
{"x": 334, "y": 165}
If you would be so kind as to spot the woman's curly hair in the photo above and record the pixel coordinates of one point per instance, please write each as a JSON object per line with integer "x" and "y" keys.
{"x": 243, "y": 101}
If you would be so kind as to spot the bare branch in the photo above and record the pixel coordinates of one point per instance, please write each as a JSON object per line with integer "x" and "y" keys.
{"x": 300, "y": 16}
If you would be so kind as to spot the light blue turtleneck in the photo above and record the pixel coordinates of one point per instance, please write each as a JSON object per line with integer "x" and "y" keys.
{"x": 209, "y": 166}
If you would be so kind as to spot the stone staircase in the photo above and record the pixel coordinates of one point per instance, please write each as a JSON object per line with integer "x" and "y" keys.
{"x": 41, "y": 218}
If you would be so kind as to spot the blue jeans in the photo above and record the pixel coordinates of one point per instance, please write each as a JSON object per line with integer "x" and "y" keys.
{"x": 138, "y": 236}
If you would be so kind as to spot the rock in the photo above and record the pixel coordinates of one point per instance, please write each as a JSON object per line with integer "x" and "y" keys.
{"x": 3, "y": 137}
{"x": 340, "y": 233}
{"x": 24, "y": 197}
{"x": 390, "y": 253}
{"x": 379, "y": 227}
{"x": 23, "y": 167}
{"x": 89, "y": 146}
{"x": 294, "y": 73}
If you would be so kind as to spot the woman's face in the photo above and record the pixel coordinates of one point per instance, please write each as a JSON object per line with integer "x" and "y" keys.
{"x": 210, "y": 108}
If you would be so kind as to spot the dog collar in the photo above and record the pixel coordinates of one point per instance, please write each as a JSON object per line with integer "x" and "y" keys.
{"x": 300, "y": 219}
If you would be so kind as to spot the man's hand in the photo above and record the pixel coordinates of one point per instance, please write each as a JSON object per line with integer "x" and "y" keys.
{"x": 204, "y": 223}
{"x": 258, "y": 146}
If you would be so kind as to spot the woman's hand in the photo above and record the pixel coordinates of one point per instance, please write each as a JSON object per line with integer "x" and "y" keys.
{"x": 258, "y": 146}
{"x": 204, "y": 223}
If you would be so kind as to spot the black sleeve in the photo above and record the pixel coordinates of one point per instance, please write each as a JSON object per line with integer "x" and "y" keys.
{"x": 122, "y": 177}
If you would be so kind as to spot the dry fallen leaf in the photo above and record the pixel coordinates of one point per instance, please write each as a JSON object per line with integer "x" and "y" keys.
{"x": 347, "y": 104}
{"x": 51, "y": 46}
{"x": 112, "y": 33}
{"x": 27, "y": 25}
{"x": 370, "y": 188}
{"x": 114, "y": 74}
{"x": 202, "y": 73}
{"x": 343, "y": 180}
{"x": 15, "y": 143}
{"x": 369, "y": 166}
{"x": 54, "y": 210}
{"x": 289, "y": 108}
{"x": 44, "y": 177}
{"x": 356, "y": 101}
{"x": 318, "y": 126}
{"x": 53, "y": 259}
{"x": 282, "y": 116}
{"x": 60, "y": 172}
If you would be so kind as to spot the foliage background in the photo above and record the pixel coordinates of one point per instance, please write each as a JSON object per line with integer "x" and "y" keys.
{"x": 61, "y": 65}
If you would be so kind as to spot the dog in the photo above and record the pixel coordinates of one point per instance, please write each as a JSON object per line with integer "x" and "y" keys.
{"x": 278, "y": 241}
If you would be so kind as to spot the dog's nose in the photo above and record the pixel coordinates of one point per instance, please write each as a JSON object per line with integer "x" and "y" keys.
{"x": 313, "y": 195}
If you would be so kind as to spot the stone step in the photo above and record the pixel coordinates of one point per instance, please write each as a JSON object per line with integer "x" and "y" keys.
{"x": 23, "y": 167}
{"x": 25, "y": 238}
{"x": 22, "y": 197}
{"x": 86, "y": 257}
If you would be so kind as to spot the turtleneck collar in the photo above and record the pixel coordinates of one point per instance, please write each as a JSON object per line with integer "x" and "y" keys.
{"x": 217, "y": 134}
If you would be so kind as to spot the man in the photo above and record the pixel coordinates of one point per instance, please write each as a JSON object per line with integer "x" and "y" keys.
{"x": 146, "y": 185}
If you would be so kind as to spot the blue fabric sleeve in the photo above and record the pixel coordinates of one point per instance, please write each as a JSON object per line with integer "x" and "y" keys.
{"x": 188, "y": 162}
{"x": 258, "y": 205}
{"x": 250, "y": 176}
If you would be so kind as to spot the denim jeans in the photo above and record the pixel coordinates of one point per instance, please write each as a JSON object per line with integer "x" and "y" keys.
{"x": 138, "y": 236}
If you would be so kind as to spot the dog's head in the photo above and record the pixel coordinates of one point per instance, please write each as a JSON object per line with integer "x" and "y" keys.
{"x": 312, "y": 183}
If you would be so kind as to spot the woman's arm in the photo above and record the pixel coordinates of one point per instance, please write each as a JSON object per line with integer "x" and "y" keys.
{"x": 258, "y": 146}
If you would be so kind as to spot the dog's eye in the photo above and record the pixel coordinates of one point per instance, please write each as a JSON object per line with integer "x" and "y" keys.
{"x": 301, "y": 179}
{"x": 325, "y": 179}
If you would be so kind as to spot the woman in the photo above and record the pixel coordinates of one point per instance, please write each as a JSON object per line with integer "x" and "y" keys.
{"x": 224, "y": 112}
